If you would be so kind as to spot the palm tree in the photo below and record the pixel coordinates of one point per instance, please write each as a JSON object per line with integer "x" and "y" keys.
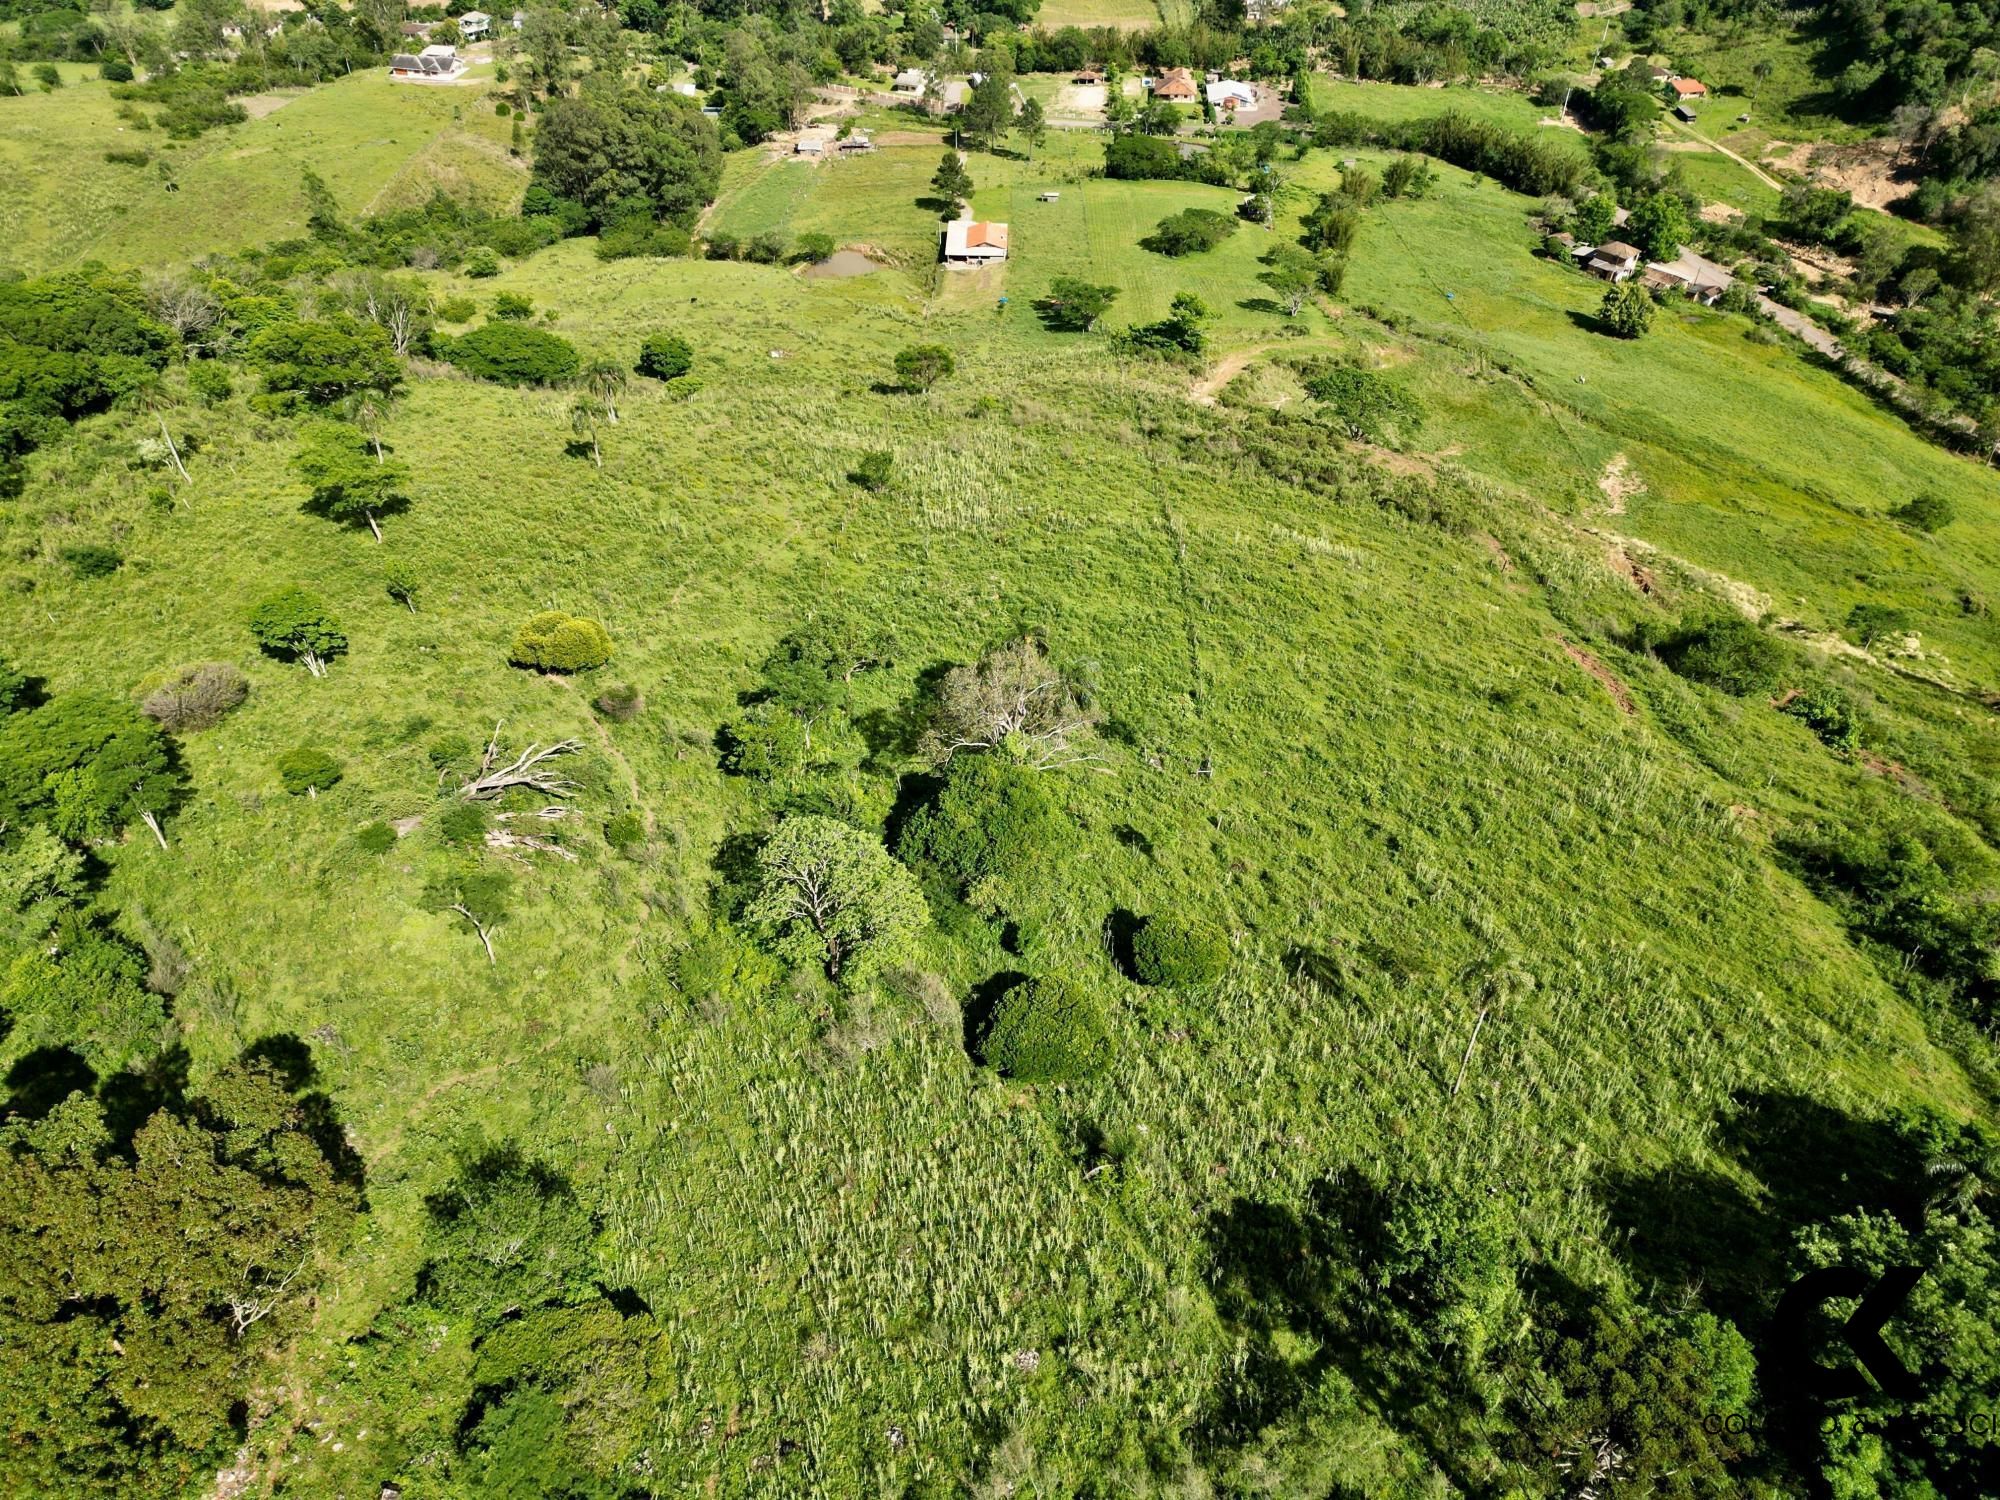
{"x": 151, "y": 395}
{"x": 584, "y": 415}
{"x": 1758, "y": 74}
{"x": 369, "y": 410}
{"x": 604, "y": 379}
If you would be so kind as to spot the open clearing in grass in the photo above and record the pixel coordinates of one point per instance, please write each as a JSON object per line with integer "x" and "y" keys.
{"x": 1126, "y": 15}
{"x": 1396, "y": 103}
{"x": 378, "y": 146}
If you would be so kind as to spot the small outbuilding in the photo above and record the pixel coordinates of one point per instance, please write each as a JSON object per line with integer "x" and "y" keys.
{"x": 910, "y": 81}
{"x": 474, "y": 24}
{"x": 1690, "y": 88}
{"x": 974, "y": 242}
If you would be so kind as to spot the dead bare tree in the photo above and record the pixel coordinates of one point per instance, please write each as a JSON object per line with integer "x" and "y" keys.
{"x": 503, "y": 839}
{"x": 258, "y": 1301}
{"x": 183, "y": 304}
{"x": 530, "y": 769}
{"x": 1013, "y": 697}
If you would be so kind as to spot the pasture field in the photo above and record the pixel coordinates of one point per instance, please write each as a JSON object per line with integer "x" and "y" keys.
{"x": 1387, "y": 756}
{"x": 1396, "y": 103}
{"x": 1128, "y": 15}
{"x": 1795, "y": 103}
{"x": 378, "y": 145}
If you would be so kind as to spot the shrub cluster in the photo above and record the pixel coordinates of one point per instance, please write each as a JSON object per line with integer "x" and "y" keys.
{"x": 1047, "y": 1029}
{"x": 196, "y": 697}
{"x": 511, "y": 355}
{"x": 558, "y": 642}
{"x": 1728, "y": 653}
{"x": 1175, "y": 949}
{"x": 991, "y": 819}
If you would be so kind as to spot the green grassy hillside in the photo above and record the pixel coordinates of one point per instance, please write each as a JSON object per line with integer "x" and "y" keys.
{"x": 1392, "y": 758}
{"x": 378, "y": 145}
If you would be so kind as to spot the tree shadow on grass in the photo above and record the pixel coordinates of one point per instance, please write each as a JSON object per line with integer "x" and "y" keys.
{"x": 1264, "y": 305}
{"x": 394, "y": 505}
{"x": 1697, "y": 1226}
{"x": 980, "y": 1005}
{"x": 1285, "y": 1280}
{"x": 1591, "y": 323}
{"x": 43, "y": 1078}
{"x": 1121, "y": 930}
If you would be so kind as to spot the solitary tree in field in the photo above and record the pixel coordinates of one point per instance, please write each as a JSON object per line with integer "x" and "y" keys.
{"x": 401, "y": 581}
{"x": 605, "y": 381}
{"x": 1014, "y": 700}
{"x": 347, "y": 486}
{"x": 1627, "y": 310}
{"x": 1033, "y": 123}
{"x": 829, "y": 894}
{"x": 294, "y": 625}
{"x": 584, "y": 414}
{"x": 1291, "y": 272}
{"x": 953, "y": 184}
{"x": 1759, "y": 73}
{"x": 1072, "y": 305}
{"x": 922, "y": 366}
{"x": 477, "y": 897}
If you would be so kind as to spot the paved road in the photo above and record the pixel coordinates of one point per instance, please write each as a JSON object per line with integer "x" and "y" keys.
{"x": 1701, "y": 268}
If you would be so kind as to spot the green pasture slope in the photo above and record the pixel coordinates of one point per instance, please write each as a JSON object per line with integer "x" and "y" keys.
{"x": 1357, "y": 740}
{"x": 378, "y": 146}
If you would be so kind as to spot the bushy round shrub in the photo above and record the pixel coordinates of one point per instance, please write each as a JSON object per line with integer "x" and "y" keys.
{"x": 375, "y": 838}
{"x": 1175, "y": 949}
{"x": 305, "y": 770}
{"x": 1927, "y": 512}
{"x": 196, "y": 697}
{"x": 1047, "y": 1029}
{"x": 93, "y": 560}
{"x": 1731, "y": 654}
{"x": 462, "y": 824}
{"x": 513, "y": 354}
{"x": 627, "y": 830}
{"x": 115, "y": 70}
{"x": 991, "y": 818}
{"x": 557, "y": 642}
{"x": 665, "y": 356}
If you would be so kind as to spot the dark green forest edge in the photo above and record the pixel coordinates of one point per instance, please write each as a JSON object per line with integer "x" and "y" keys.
{"x": 626, "y": 874}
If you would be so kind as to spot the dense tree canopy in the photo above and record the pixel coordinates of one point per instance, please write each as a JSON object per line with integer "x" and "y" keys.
{"x": 139, "y": 1291}
{"x": 610, "y": 151}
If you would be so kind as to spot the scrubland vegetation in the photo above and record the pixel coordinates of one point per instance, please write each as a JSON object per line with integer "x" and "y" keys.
{"x": 1237, "y": 857}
